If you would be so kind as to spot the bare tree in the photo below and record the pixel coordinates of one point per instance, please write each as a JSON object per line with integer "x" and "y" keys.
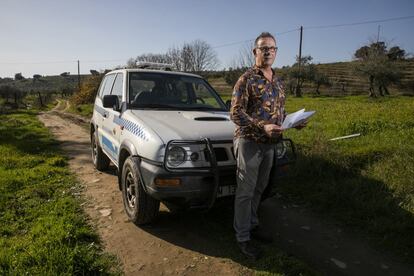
{"x": 202, "y": 56}
{"x": 174, "y": 55}
{"x": 186, "y": 57}
{"x": 195, "y": 56}
{"x": 131, "y": 63}
{"x": 245, "y": 57}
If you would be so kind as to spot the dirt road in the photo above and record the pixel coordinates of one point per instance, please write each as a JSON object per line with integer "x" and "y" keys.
{"x": 186, "y": 245}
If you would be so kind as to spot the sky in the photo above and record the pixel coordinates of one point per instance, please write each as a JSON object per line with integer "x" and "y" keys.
{"x": 48, "y": 37}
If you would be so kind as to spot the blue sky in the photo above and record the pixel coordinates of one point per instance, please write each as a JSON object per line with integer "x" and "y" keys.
{"x": 47, "y": 37}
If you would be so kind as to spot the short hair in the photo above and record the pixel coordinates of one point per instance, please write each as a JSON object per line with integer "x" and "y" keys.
{"x": 263, "y": 35}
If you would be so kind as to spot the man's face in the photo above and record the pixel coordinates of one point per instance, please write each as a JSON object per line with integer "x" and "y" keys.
{"x": 265, "y": 52}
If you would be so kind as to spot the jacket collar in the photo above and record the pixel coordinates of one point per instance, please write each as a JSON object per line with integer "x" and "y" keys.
{"x": 257, "y": 71}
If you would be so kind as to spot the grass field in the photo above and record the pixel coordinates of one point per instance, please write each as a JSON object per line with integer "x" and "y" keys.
{"x": 43, "y": 230}
{"x": 367, "y": 182}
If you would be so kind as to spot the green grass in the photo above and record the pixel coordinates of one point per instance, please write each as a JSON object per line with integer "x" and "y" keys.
{"x": 43, "y": 230}
{"x": 367, "y": 182}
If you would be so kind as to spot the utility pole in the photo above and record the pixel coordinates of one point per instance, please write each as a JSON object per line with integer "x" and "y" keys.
{"x": 79, "y": 82}
{"x": 298, "y": 92}
{"x": 379, "y": 29}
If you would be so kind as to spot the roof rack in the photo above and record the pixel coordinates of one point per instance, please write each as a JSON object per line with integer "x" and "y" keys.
{"x": 155, "y": 65}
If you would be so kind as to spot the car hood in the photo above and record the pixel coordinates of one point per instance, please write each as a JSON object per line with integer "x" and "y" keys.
{"x": 187, "y": 125}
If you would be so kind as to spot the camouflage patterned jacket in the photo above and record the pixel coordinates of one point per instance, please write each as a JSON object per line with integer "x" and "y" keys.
{"x": 256, "y": 102}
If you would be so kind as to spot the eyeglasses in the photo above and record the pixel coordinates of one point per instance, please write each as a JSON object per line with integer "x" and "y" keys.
{"x": 271, "y": 49}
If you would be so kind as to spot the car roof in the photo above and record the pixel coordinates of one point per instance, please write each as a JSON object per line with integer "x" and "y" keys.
{"x": 153, "y": 71}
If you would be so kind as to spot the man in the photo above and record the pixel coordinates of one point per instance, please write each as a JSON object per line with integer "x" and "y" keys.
{"x": 257, "y": 109}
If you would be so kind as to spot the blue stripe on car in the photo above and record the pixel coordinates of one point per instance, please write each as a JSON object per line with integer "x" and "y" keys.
{"x": 108, "y": 144}
{"x": 135, "y": 129}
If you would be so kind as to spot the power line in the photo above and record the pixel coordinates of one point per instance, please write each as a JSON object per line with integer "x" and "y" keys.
{"x": 360, "y": 23}
{"x": 325, "y": 27}
{"x": 233, "y": 43}
{"x": 250, "y": 40}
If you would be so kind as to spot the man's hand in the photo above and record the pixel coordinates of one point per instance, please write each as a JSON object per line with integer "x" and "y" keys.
{"x": 272, "y": 130}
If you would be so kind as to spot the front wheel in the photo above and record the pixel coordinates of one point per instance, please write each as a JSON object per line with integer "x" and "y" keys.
{"x": 140, "y": 207}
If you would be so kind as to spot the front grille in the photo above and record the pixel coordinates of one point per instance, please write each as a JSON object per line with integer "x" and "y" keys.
{"x": 224, "y": 179}
{"x": 221, "y": 154}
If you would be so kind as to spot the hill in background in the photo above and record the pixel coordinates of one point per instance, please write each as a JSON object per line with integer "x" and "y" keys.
{"x": 341, "y": 75}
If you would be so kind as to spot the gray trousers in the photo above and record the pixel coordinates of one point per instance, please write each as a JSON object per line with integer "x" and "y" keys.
{"x": 254, "y": 163}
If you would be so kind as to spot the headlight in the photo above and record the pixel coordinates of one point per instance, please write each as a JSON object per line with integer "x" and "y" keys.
{"x": 280, "y": 150}
{"x": 176, "y": 156}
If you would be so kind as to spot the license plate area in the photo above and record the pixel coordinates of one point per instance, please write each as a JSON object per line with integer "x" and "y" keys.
{"x": 223, "y": 191}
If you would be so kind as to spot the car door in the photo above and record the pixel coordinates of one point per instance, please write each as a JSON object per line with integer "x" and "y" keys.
{"x": 103, "y": 118}
{"x": 113, "y": 129}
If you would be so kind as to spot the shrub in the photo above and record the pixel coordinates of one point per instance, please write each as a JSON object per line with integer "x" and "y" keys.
{"x": 88, "y": 90}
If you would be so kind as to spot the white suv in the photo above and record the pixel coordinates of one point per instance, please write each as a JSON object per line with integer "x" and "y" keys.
{"x": 169, "y": 135}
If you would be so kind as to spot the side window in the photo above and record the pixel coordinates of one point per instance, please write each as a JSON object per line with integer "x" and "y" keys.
{"x": 118, "y": 85}
{"x": 101, "y": 87}
{"x": 109, "y": 80}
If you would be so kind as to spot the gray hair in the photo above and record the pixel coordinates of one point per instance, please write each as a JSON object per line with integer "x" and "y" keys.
{"x": 263, "y": 35}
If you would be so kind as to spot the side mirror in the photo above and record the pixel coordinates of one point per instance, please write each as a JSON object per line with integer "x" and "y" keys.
{"x": 111, "y": 101}
{"x": 228, "y": 104}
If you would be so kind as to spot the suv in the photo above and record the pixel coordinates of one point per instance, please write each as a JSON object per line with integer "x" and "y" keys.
{"x": 170, "y": 136}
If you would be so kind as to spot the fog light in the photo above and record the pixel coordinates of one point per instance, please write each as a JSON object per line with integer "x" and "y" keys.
{"x": 194, "y": 156}
{"x": 167, "y": 182}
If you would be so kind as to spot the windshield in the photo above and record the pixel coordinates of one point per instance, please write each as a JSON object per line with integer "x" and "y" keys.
{"x": 165, "y": 91}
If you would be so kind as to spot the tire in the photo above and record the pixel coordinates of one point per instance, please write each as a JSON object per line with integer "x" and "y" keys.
{"x": 100, "y": 160}
{"x": 140, "y": 207}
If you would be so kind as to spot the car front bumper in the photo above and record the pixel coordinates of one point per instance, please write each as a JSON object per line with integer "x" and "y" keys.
{"x": 195, "y": 189}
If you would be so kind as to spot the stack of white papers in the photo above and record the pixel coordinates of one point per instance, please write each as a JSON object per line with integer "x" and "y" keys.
{"x": 297, "y": 118}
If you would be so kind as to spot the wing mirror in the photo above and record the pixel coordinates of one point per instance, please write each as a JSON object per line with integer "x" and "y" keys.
{"x": 111, "y": 101}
